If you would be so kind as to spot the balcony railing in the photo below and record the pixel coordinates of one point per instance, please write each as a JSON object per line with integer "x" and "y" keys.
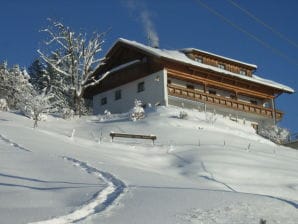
{"x": 196, "y": 95}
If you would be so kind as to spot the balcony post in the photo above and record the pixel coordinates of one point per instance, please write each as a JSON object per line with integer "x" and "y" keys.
{"x": 273, "y": 111}
{"x": 205, "y": 88}
{"x": 236, "y": 95}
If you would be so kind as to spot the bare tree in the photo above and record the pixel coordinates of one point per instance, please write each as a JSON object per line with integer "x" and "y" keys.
{"x": 34, "y": 104}
{"x": 75, "y": 57}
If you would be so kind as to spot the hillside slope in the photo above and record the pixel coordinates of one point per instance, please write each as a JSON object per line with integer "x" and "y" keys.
{"x": 200, "y": 170}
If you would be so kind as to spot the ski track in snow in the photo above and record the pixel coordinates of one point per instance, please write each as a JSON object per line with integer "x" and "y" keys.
{"x": 17, "y": 146}
{"x": 213, "y": 179}
{"x": 210, "y": 177}
{"x": 100, "y": 201}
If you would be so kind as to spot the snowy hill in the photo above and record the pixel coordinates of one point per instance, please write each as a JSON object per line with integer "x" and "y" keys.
{"x": 203, "y": 169}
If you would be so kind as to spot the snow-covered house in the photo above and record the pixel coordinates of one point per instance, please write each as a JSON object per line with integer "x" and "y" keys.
{"x": 189, "y": 78}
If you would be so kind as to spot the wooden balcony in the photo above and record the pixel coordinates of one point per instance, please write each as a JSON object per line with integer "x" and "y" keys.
{"x": 196, "y": 95}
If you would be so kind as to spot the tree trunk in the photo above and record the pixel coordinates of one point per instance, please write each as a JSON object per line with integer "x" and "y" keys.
{"x": 77, "y": 105}
{"x": 35, "y": 118}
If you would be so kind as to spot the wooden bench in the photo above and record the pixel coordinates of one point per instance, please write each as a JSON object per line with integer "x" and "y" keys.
{"x": 122, "y": 135}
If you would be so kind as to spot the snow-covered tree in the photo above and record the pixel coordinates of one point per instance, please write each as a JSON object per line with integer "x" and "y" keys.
{"x": 211, "y": 117}
{"x": 3, "y": 105}
{"x": 183, "y": 115}
{"x": 274, "y": 133}
{"x": 137, "y": 112}
{"x": 39, "y": 76}
{"x": 74, "y": 57}
{"x": 4, "y": 77}
{"x": 35, "y": 104}
{"x": 45, "y": 79}
{"x": 14, "y": 82}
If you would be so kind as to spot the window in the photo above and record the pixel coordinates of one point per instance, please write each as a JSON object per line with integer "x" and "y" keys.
{"x": 199, "y": 59}
{"x": 242, "y": 72}
{"x": 233, "y": 96}
{"x": 141, "y": 87}
{"x": 253, "y": 102}
{"x": 104, "y": 101}
{"x": 188, "y": 86}
{"x": 213, "y": 92}
{"x": 118, "y": 94}
{"x": 221, "y": 66}
{"x": 266, "y": 105}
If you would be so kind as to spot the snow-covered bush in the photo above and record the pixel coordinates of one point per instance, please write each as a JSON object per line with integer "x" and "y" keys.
{"x": 25, "y": 110}
{"x": 274, "y": 133}
{"x": 211, "y": 117}
{"x": 183, "y": 115}
{"x": 107, "y": 115}
{"x": 137, "y": 112}
{"x": 3, "y": 105}
{"x": 33, "y": 114}
{"x": 35, "y": 105}
{"x": 43, "y": 117}
{"x": 34, "y": 111}
{"x": 67, "y": 113}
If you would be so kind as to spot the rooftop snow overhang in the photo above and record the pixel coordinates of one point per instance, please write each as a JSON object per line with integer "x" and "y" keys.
{"x": 179, "y": 56}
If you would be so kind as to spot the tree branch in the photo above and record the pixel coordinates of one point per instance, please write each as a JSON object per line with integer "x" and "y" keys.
{"x": 53, "y": 65}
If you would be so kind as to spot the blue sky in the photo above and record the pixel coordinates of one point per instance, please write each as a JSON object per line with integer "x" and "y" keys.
{"x": 222, "y": 29}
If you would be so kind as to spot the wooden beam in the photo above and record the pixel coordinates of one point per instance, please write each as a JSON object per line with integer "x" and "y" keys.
{"x": 220, "y": 85}
{"x": 229, "y": 79}
{"x": 195, "y": 95}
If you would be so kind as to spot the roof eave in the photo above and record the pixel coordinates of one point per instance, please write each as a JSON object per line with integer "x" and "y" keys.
{"x": 148, "y": 51}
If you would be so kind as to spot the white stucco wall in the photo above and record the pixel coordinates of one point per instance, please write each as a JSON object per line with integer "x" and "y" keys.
{"x": 155, "y": 93}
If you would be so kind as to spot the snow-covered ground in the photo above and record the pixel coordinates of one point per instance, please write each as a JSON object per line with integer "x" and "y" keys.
{"x": 200, "y": 170}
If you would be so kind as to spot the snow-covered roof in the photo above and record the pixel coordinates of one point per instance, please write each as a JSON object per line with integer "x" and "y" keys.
{"x": 178, "y": 55}
{"x": 190, "y": 50}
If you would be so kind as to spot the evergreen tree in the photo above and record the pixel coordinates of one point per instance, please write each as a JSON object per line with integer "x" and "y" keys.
{"x": 39, "y": 77}
{"x": 14, "y": 82}
{"x": 59, "y": 87}
{"x": 45, "y": 80}
{"x": 4, "y": 75}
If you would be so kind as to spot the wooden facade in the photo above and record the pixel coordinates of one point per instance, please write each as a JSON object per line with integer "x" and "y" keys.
{"x": 222, "y": 101}
{"x": 241, "y": 92}
{"x": 217, "y": 61}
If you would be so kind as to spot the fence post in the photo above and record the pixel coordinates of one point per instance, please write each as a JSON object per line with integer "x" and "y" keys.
{"x": 73, "y": 133}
